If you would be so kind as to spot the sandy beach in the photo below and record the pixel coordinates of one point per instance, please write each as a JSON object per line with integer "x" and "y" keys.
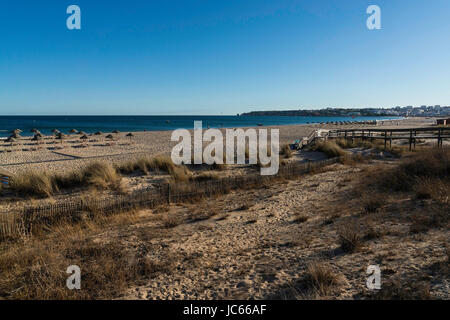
{"x": 72, "y": 153}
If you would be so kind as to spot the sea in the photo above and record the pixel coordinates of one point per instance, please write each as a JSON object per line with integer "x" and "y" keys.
{"x": 91, "y": 124}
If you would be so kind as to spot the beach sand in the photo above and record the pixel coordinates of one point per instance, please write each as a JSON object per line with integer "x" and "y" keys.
{"x": 72, "y": 153}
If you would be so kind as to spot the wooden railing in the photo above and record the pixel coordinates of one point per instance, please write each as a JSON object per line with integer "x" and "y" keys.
{"x": 411, "y": 134}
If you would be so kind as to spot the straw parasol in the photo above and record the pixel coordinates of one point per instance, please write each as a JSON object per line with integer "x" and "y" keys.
{"x": 130, "y": 135}
{"x": 73, "y": 131}
{"x": 37, "y": 138}
{"x": 116, "y": 131}
{"x": 15, "y": 134}
{"x": 55, "y": 131}
{"x": 98, "y": 133}
{"x": 61, "y": 136}
{"x": 11, "y": 140}
{"x": 110, "y": 137}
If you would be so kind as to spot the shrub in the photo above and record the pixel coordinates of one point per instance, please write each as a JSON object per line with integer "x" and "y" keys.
{"x": 372, "y": 203}
{"x": 349, "y": 238}
{"x": 286, "y": 151}
{"x": 102, "y": 175}
{"x": 330, "y": 148}
{"x": 320, "y": 278}
{"x": 421, "y": 171}
{"x": 34, "y": 183}
{"x": 171, "y": 221}
{"x": 163, "y": 163}
{"x": 180, "y": 174}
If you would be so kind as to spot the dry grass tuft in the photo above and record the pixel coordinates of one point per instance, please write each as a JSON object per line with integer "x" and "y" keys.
{"x": 429, "y": 164}
{"x": 350, "y": 237}
{"x": 34, "y": 183}
{"x": 330, "y": 148}
{"x": 102, "y": 175}
{"x": 366, "y": 144}
{"x": 286, "y": 151}
{"x": 180, "y": 174}
{"x": 171, "y": 221}
{"x": 320, "y": 278}
{"x": 412, "y": 290}
{"x": 373, "y": 202}
{"x": 206, "y": 176}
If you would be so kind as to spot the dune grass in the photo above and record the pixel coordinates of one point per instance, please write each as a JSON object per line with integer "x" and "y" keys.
{"x": 100, "y": 175}
{"x": 286, "y": 151}
{"x": 330, "y": 148}
{"x": 320, "y": 278}
{"x": 367, "y": 144}
{"x": 415, "y": 171}
{"x": 34, "y": 183}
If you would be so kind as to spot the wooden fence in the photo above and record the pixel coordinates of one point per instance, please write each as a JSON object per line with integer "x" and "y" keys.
{"x": 21, "y": 221}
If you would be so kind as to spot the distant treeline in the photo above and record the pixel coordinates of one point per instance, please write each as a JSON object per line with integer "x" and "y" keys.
{"x": 321, "y": 112}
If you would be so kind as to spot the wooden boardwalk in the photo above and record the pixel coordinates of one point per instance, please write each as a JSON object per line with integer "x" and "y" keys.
{"x": 411, "y": 134}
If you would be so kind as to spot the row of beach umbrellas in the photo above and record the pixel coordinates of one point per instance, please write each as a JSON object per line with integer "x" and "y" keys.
{"x": 15, "y": 135}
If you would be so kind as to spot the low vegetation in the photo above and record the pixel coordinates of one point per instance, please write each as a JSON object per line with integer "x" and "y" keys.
{"x": 286, "y": 151}
{"x": 419, "y": 171}
{"x": 330, "y": 148}
{"x": 350, "y": 237}
{"x": 320, "y": 278}
{"x": 99, "y": 175}
{"x": 367, "y": 144}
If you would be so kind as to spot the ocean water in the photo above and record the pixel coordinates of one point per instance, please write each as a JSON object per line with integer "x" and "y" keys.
{"x": 91, "y": 124}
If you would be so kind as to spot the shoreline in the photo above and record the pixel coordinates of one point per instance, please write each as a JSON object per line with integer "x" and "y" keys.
{"x": 84, "y": 123}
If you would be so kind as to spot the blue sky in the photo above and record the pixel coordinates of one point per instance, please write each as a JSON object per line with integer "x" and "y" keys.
{"x": 221, "y": 57}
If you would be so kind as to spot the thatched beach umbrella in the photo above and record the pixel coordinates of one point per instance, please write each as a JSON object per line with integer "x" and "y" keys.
{"x": 11, "y": 140}
{"x": 75, "y": 131}
{"x": 82, "y": 133}
{"x": 37, "y": 137}
{"x": 15, "y": 135}
{"x": 130, "y": 135}
{"x": 60, "y": 136}
{"x": 116, "y": 131}
{"x": 110, "y": 137}
{"x": 98, "y": 133}
{"x": 55, "y": 131}
{"x": 84, "y": 138}
{"x": 16, "y": 131}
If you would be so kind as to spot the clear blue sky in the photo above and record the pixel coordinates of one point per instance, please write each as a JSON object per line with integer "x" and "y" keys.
{"x": 221, "y": 57}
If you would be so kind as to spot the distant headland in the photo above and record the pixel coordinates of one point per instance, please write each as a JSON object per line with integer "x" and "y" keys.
{"x": 428, "y": 111}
